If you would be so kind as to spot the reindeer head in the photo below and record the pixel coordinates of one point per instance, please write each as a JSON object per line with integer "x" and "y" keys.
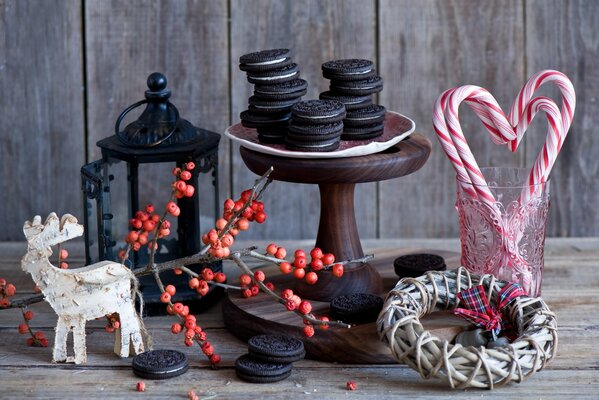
{"x": 52, "y": 232}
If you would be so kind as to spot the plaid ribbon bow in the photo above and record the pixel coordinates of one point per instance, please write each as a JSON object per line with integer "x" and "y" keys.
{"x": 478, "y": 311}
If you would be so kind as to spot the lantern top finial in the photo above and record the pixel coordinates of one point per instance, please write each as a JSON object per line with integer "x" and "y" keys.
{"x": 157, "y": 87}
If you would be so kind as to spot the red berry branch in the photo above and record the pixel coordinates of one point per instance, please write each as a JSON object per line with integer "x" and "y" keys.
{"x": 148, "y": 226}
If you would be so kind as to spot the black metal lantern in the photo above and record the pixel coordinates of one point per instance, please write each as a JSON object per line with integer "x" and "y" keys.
{"x": 159, "y": 135}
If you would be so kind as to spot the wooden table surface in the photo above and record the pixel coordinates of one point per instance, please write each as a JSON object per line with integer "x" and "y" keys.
{"x": 570, "y": 288}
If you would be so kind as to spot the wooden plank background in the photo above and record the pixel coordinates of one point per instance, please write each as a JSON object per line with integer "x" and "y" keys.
{"x": 68, "y": 68}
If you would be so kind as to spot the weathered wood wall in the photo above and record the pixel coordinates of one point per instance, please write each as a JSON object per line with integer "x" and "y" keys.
{"x": 67, "y": 69}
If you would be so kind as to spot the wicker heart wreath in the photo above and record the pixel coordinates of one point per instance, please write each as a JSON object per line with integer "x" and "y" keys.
{"x": 461, "y": 367}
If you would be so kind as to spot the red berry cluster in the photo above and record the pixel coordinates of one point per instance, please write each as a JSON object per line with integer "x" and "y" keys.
{"x": 144, "y": 223}
{"x": 38, "y": 338}
{"x": 180, "y": 187}
{"x": 201, "y": 284}
{"x": 193, "y": 332}
{"x": 294, "y": 303}
{"x": 237, "y": 216}
{"x": 249, "y": 286}
{"x": 63, "y": 254}
{"x": 300, "y": 267}
{"x": 113, "y": 323}
{"x": 6, "y": 290}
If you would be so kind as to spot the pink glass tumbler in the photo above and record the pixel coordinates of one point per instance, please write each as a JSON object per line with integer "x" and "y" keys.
{"x": 505, "y": 238}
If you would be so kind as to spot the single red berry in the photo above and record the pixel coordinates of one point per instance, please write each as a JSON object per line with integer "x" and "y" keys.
{"x": 178, "y": 308}
{"x": 23, "y": 328}
{"x": 173, "y": 209}
{"x": 337, "y": 270}
{"x": 220, "y": 224}
{"x": 194, "y": 283}
{"x": 285, "y": 267}
{"x": 203, "y": 289}
{"x": 188, "y": 342}
{"x": 227, "y": 240}
{"x": 299, "y": 253}
{"x": 189, "y": 191}
{"x": 316, "y": 264}
{"x": 164, "y": 232}
{"x": 177, "y": 271}
{"x": 143, "y": 238}
{"x": 43, "y": 342}
{"x": 136, "y": 223}
{"x": 220, "y": 277}
{"x": 142, "y": 216}
{"x": 176, "y": 328}
{"x": 171, "y": 289}
{"x": 245, "y": 280}
{"x": 155, "y": 218}
{"x": 29, "y": 341}
{"x": 197, "y": 329}
{"x": 214, "y": 359}
{"x": 63, "y": 265}
{"x": 245, "y": 195}
{"x": 28, "y": 315}
{"x": 2, "y": 282}
{"x": 255, "y": 290}
{"x": 176, "y": 171}
{"x": 165, "y": 224}
{"x": 247, "y": 213}
{"x": 191, "y": 395}
{"x": 150, "y": 208}
{"x": 185, "y": 175}
{"x": 4, "y": 303}
{"x": 305, "y": 307}
{"x": 324, "y": 319}
{"x": 309, "y": 330}
{"x": 271, "y": 249}
{"x": 316, "y": 253}
{"x": 296, "y": 299}
{"x": 269, "y": 286}
{"x": 208, "y": 349}
{"x": 132, "y": 236}
{"x": 116, "y": 324}
{"x": 141, "y": 386}
{"x": 228, "y": 205}
{"x": 299, "y": 273}
{"x": 136, "y": 246}
{"x": 259, "y": 276}
{"x": 247, "y": 293}
{"x": 190, "y": 324}
{"x": 260, "y": 217}
{"x": 64, "y": 254}
{"x": 351, "y": 385}
{"x": 311, "y": 278}
{"x": 190, "y": 166}
{"x": 207, "y": 274}
{"x": 328, "y": 259}
{"x": 243, "y": 224}
{"x": 149, "y": 225}
{"x": 290, "y": 305}
{"x": 300, "y": 262}
{"x": 165, "y": 297}
{"x": 286, "y": 294}
{"x": 281, "y": 253}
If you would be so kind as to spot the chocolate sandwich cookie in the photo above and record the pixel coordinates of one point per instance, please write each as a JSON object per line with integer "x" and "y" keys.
{"x": 348, "y": 69}
{"x": 373, "y": 114}
{"x": 282, "y": 91}
{"x": 362, "y": 132}
{"x": 160, "y": 364}
{"x": 265, "y": 60}
{"x": 276, "y": 348}
{"x": 284, "y": 74}
{"x": 413, "y": 265}
{"x": 356, "y": 308}
{"x": 251, "y": 119}
{"x": 261, "y": 106}
{"x": 350, "y": 102}
{"x": 361, "y": 87}
{"x": 318, "y": 112}
{"x": 253, "y": 370}
{"x": 320, "y": 146}
{"x": 274, "y": 133}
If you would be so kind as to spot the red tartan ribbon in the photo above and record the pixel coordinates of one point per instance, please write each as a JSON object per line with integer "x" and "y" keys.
{"x": 478, "y": 310}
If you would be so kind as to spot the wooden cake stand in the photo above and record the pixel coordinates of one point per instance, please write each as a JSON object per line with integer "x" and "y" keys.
{"x": 337, "y": 234}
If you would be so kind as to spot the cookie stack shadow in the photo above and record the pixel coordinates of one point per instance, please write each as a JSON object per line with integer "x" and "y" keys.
{"x": 353, "y": 82}
{"x": 277, "y": 88}
{"x": 270, "y": 358}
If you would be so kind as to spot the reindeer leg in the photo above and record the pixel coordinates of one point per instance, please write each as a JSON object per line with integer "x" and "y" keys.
{"x": 79, "y": 341}
{"x": 59, "y": 354}
{"x": 137, "y": 343}
{"x": 121, "y": 342}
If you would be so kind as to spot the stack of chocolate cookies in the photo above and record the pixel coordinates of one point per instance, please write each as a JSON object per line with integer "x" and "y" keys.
{"x": 353, "y": 82}
{"x": 277, "y": 88}
{"x": 315, "y": 126}
{"x": 270, "y": 358}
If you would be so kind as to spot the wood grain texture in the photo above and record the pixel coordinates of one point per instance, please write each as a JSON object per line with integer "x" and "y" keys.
{"x": 315, "y": 31}
{"x": 41, "y": 105}
{"x": 563, "y": 36}
{"x": 570, "y": 263}
{"x": 426, "y": 47}
{"x": 187, "y": 41}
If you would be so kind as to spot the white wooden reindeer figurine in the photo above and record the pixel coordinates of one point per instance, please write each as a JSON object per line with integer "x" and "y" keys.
{"x": 79, "y": 295}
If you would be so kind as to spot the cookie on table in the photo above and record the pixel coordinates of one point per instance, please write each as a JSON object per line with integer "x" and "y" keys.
{"x": 253, "y": 370}
{"x": 361, "y": 87}
{"x": 265, "y": 60}
{"x": 270, "y": 77}
{"x": 413, "y": 265}
{"x": 373, "y": 114}
{"x": 276, "y": 348}
{"x": 350, "y": 102}
{"x": 160, "y": 364}
{"x": 282, "y": 91}
{"x": 348, "y": 69}
{"x": 356, "y": 308}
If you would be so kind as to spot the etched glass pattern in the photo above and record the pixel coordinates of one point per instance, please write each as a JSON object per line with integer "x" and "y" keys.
{"x": 506, "y": 238}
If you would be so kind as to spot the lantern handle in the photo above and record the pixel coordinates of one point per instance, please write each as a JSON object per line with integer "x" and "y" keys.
{"x": 133, "y": 106}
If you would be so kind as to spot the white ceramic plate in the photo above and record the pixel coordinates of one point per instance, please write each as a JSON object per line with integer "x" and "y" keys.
{"x": 397, "y": 128}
